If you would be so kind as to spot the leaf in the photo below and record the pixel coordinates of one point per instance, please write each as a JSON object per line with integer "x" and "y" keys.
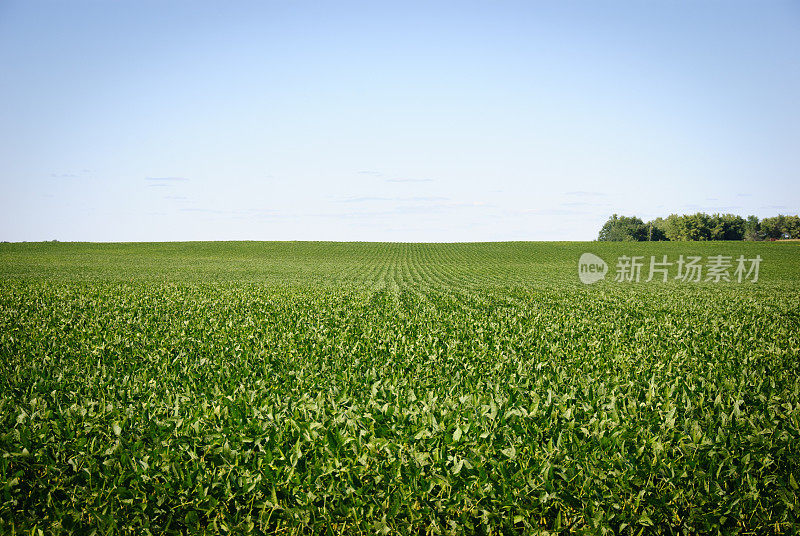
{"x": 510, "y": 452}
{"x": 191, "y": 519}
{"x": 457, "y": 466}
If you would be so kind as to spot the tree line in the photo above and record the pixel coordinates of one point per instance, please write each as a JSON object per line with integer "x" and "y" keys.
{"x": 699, "y": 226}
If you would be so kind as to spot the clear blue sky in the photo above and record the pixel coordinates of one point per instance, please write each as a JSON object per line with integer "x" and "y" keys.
{"x": 429, "y": 121}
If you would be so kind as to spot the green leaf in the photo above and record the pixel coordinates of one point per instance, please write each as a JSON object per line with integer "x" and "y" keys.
{"x": 510, "y": 452}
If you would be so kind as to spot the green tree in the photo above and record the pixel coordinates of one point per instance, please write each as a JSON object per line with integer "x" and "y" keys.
{"x": 673, "y": 227}
{"x": 752, "y": 229}
{"x": 623, "y": 228}
{"x": 700, "y": 226}
{"x": 688, "y": 227}
{"x": 793, "y": 226}
{"x": 780, "y": 225}
{"x": 726, "y": 227}
{"x": 771, "y": 227}
{"x": 657, "y": 230}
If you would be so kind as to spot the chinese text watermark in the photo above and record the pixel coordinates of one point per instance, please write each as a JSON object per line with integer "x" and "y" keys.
{"x": 693, "y": 269}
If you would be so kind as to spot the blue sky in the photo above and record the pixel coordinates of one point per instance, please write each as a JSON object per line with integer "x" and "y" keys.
{"x": 429, "y": 121}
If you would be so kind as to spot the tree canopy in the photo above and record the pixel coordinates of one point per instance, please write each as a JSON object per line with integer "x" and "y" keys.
{"x": 699, "y": 226}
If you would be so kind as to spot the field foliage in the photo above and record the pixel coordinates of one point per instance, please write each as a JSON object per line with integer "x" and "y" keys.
{"x": 367, "y": 388}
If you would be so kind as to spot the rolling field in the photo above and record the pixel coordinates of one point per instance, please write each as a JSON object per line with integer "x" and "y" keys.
{"x": 375, "y": 388}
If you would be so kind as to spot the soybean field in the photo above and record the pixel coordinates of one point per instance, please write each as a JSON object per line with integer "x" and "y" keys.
{"x": 388, "y": 388}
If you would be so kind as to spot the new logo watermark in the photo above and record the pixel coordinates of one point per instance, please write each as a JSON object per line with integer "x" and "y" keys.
{"x": 591, "y": 268}
{"x": 693, "y": 269}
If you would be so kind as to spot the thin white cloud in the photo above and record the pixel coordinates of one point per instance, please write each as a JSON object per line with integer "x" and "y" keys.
{"x": 203, "y": 210}
{"x": 413, "y": 205}
{"x": 583, "y": 193}
{"x": 367, "y": 199}
{"x": 551, "y": 212}
{"x": 725, "y": 207}
{"x": 583, "y": 204}
{"x": 239, "y": 213}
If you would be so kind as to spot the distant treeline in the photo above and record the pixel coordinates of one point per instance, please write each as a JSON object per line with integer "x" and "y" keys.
{"x": 700, "y": 226}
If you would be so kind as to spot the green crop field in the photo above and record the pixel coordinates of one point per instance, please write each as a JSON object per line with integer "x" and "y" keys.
{"x": 375, "y": 388}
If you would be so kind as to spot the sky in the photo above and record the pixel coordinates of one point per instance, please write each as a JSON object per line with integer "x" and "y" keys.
{"x": 391, "y": 121}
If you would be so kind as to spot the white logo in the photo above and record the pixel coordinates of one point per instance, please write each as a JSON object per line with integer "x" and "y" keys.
{"x": 591, "y": 268}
